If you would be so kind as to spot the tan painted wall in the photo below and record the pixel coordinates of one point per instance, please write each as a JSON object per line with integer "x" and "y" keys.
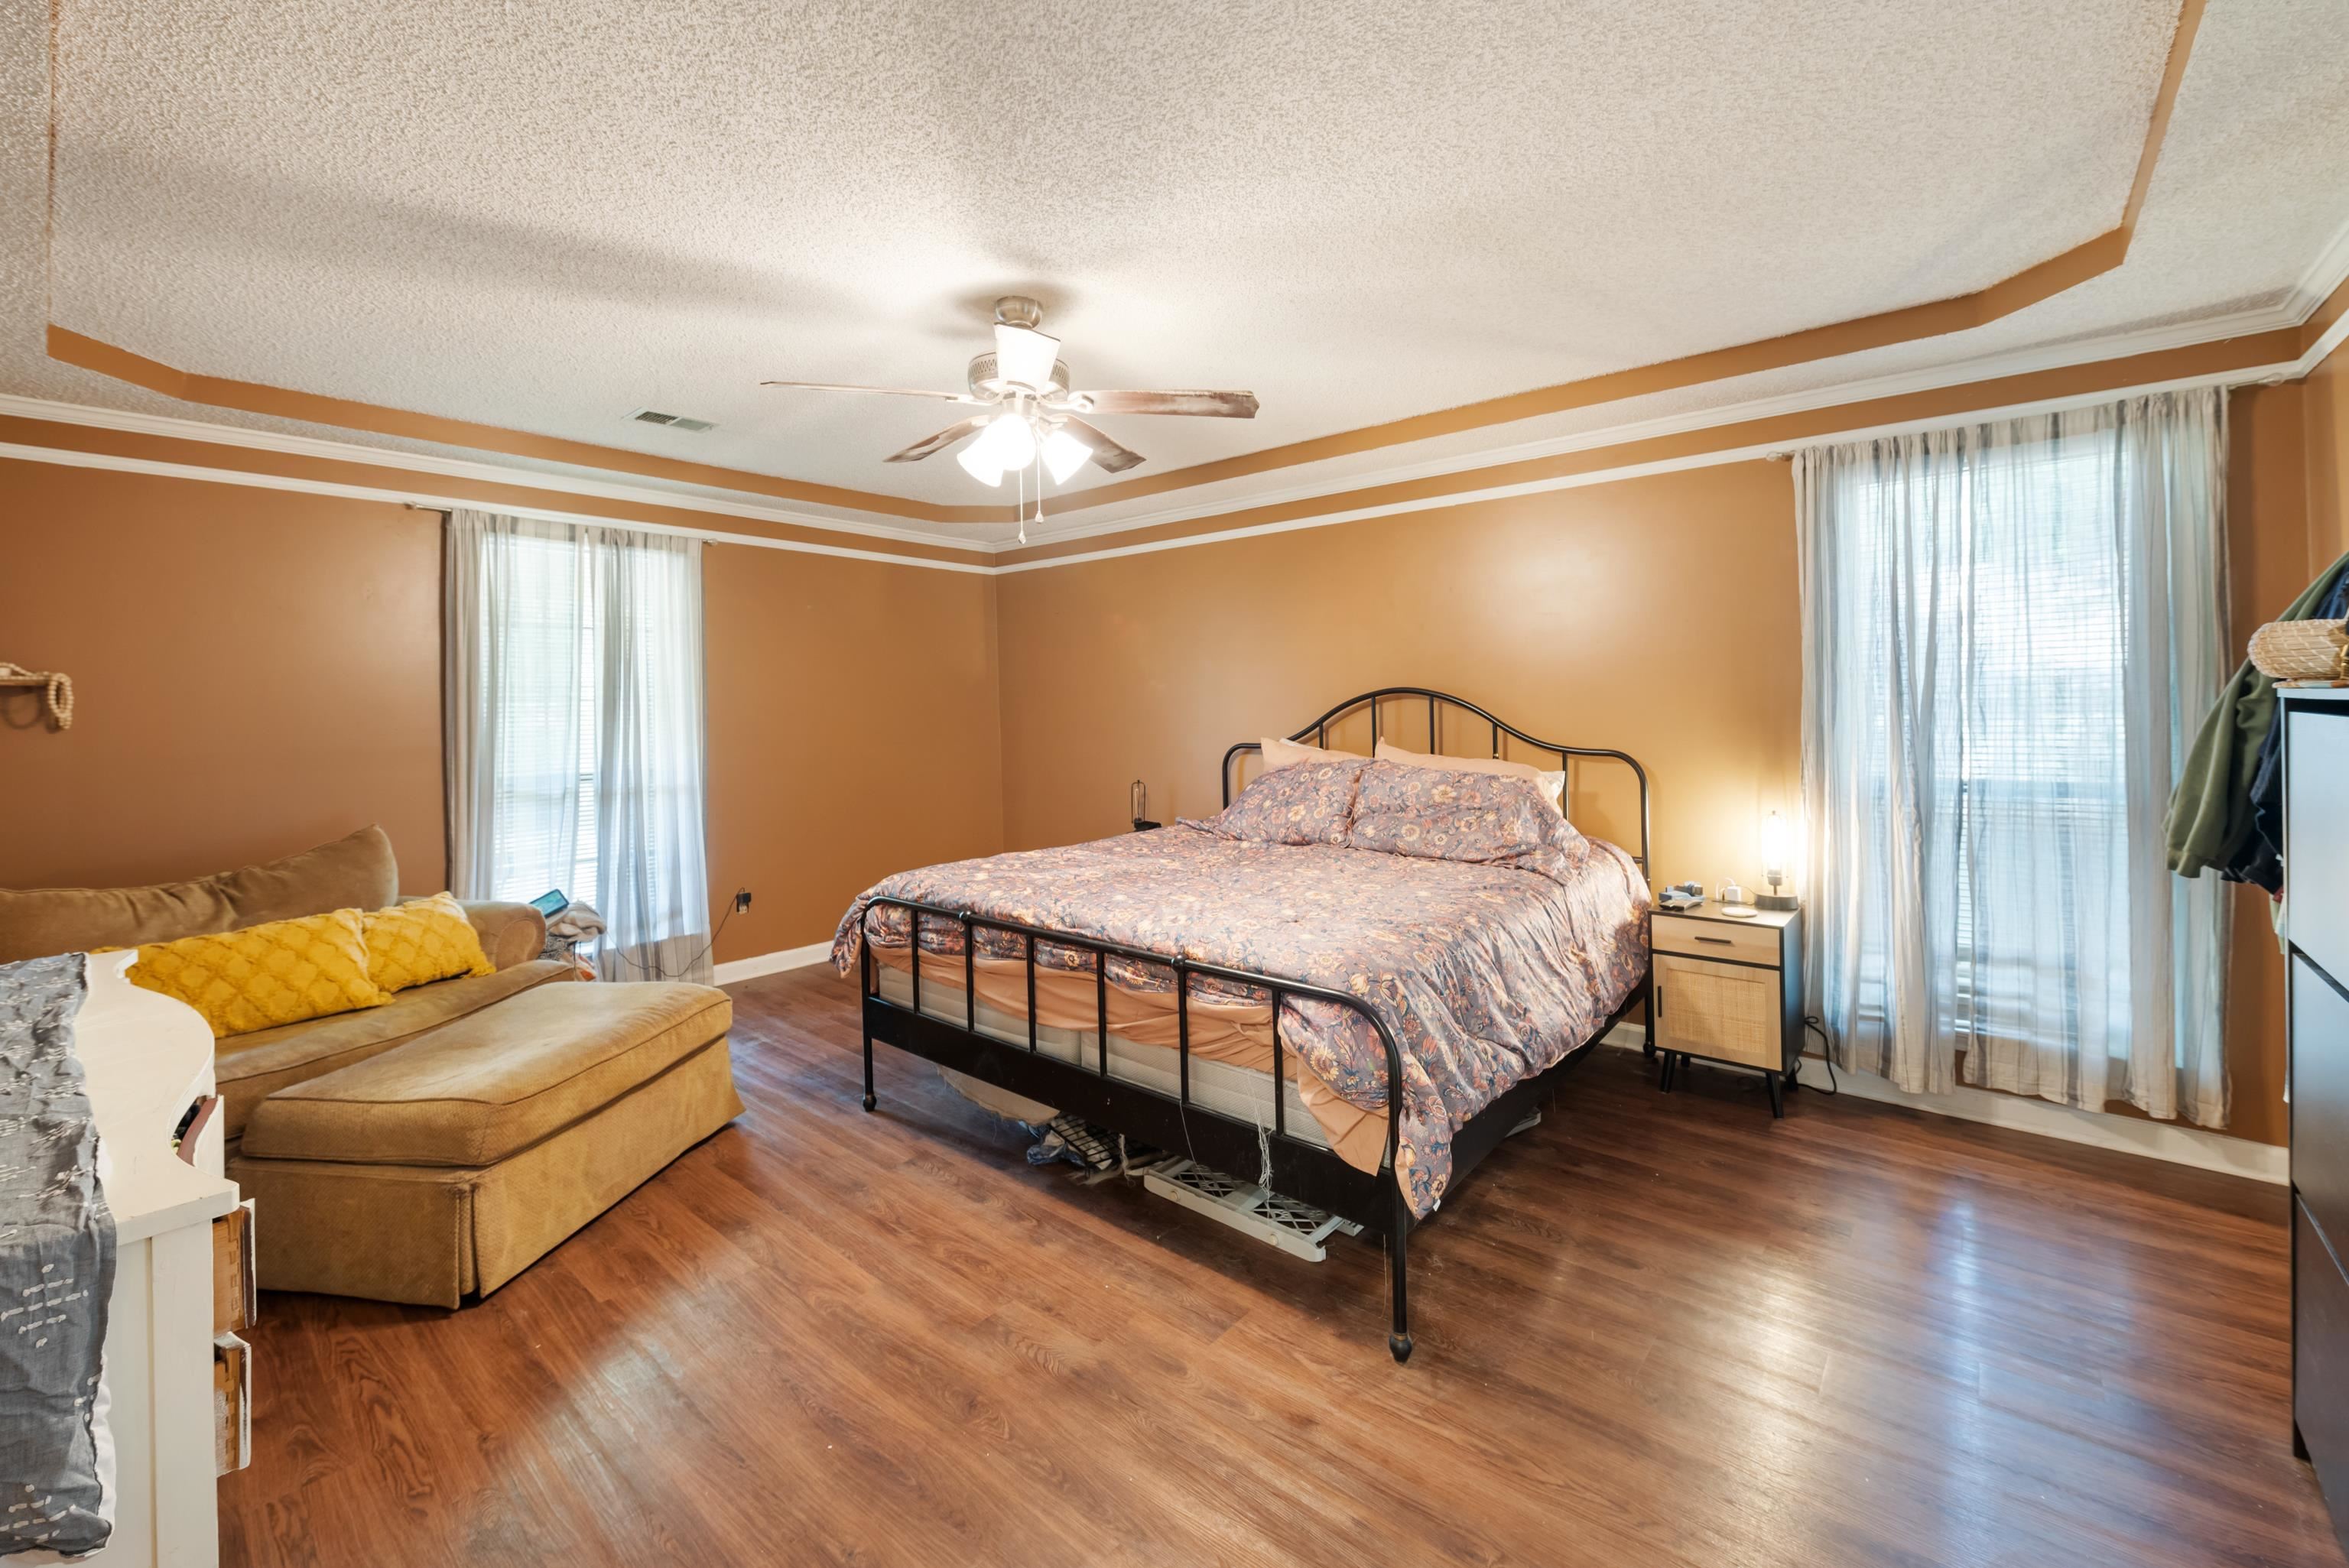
{"x": 2326, "y": 395}
{"x": 852, "y": 733}
{"x": 253, "y": 673}
{"x": 2268, "y": 565}
{"x": 257, "y": 671}
{"x": 1550, "y": 610}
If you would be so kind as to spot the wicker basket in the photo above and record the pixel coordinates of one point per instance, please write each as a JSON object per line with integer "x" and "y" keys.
{"x": 2301, "y": 650}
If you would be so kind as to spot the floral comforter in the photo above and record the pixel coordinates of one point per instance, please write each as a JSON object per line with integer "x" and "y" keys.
{"x": 1485, "y": 974}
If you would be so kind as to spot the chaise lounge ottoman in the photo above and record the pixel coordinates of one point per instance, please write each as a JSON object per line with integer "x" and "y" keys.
{"x": 448, "y": 1166}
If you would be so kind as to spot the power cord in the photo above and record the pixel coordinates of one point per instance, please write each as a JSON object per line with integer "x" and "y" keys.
{"x": 1826, "y": 1052}
{"x": 655, "y": 972}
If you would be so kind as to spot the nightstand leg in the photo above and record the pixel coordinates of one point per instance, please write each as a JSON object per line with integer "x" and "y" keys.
{"x": 1777, "y": 1093}
{"x": 869, "y": 1100}
{"x": 1664, "y": 1073}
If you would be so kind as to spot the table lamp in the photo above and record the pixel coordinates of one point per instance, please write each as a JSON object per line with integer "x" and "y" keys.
{"x": 1774, "y": 866}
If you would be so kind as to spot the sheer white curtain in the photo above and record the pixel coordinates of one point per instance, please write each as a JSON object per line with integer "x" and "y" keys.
{"x": 2009, "y": 631}
{"x": 575, "y": 730}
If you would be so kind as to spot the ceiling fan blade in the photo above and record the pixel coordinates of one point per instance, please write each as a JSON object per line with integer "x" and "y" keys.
{"x": 884, "y": 391}
{"x": 1215, "y": 405}
{"x": 940, "y": 442}
{"x": 1108, "y": 455}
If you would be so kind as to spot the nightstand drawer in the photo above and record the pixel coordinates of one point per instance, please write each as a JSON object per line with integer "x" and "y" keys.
{"x": 1727, "y": 1011}
{"x": 1717, "y": 939}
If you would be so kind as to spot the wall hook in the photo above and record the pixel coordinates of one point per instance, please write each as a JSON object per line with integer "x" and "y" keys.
{"x": 55, "y": 686}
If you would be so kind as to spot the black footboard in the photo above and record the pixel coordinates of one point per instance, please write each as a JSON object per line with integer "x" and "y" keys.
{"x": 1299, "y": 1170}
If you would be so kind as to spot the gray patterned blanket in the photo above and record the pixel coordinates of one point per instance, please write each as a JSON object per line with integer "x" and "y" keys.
{"x": 56, "y": 1270}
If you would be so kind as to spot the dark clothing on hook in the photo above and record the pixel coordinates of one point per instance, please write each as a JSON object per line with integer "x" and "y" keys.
{"x": 2226, "y": 813}
{"x": 2260, "y": 860}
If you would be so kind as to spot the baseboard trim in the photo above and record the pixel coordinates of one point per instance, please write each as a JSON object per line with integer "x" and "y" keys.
{"x": 773, "y": 962}
{"x": 2168, "y": 1141}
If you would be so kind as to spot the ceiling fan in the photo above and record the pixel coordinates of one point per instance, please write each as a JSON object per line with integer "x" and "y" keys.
{"x": 1031, "y": 418}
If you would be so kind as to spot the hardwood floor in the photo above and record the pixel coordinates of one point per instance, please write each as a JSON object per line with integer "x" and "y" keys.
{"x": 1652, "y": 1330}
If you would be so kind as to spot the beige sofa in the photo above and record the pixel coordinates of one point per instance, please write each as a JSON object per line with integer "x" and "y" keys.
{"x": 436, "y": 1146}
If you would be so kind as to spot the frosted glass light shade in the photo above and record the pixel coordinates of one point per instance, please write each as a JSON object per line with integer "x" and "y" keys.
{"x": 1063, "y": 456}
{"x": 1773, "y": 846}
{"x": 979, "y": 466}
{"x": 1005, "y": 443}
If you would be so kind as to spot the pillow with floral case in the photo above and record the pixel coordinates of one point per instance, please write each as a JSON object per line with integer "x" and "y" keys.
{"x": 1484, "y": 818}
{"x": 1306, "y": 803}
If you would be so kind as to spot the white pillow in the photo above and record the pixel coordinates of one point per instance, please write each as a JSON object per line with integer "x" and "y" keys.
{"x": 1278, "y": 753}
{"x": 1552, "y": 781}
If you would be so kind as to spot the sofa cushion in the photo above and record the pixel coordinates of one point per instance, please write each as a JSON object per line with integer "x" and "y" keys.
{"x": 420, "y": 941}
{"x": 356, "y": 872}
{"x": 353, "y": 872}
{"x": 494, "y": 1082}
{"x": 250, "y": 1068}
{"x": 511, "y": 934}
{"x": 266, "y": 976}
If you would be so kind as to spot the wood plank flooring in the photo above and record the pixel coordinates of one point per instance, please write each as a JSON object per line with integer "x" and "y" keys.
{"x": 1653, "y": 1330}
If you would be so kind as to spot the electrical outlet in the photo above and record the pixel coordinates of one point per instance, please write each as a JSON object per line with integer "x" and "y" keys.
{"x": 742, "y": 898}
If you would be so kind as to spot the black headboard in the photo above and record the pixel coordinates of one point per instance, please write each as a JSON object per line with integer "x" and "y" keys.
{"x": 1436, "y": 702}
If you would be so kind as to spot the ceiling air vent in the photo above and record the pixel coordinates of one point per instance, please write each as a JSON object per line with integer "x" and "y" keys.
{"x": 674, "y": 421}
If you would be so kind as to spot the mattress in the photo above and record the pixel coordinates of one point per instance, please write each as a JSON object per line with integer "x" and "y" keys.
{"x": 1482, "y": 972}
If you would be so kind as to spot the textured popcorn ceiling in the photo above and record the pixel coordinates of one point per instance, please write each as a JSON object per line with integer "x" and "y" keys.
{"x": 543, "y": 215}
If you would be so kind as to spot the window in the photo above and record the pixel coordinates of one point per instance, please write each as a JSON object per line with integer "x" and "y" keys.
{"x": 575, "y": 738}
{"x": 2010, "y": 630}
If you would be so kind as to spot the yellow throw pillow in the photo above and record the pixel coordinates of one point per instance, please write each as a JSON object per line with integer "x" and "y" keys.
{"x": 264, "y": 975}
{"x": 424, "y": 940}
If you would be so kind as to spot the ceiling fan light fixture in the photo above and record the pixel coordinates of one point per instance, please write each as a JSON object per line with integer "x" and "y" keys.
{"x": 1007, "y": 442}
{"x": 1063, "y": 456}
{"x": 976, "y": 464}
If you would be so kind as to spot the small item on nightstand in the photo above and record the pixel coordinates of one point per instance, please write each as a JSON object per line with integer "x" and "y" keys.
{"x": 1681, "y": 895}
{"x": 1732, "y": 899}
{"x": 1774, "y": 866}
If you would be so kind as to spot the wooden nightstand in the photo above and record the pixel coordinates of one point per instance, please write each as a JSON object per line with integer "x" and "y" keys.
{"x": 1729, "y": 991}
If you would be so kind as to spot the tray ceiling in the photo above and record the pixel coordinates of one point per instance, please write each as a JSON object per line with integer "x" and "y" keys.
{"x": 543, "y": 217}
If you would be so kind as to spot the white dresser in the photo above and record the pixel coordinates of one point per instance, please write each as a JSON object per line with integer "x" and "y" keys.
{"x": 145, "y": 1060}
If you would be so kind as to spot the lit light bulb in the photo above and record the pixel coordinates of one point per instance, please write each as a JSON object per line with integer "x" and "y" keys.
{"x": 1064, "y": 455}
{"x": 1774, "y": 849}
{"x": 976, "y": 464}
{"x": 1007, "y": 442}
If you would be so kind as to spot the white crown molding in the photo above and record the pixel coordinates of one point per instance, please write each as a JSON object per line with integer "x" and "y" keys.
{"x": 2324, "y": 274}
{"x": 66, "y": 456}
{"x": 2317, "y": 286}
{"x": 171, "y": 428}
{"x": 2321, "y": 349}
{"x": 807, "y": 957}
{"x": 2280, "y": 371}
{"x": 1988, "y": 367}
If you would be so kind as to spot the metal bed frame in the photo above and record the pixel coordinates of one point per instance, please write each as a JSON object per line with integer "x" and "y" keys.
{"x": 1306, "y": 1171}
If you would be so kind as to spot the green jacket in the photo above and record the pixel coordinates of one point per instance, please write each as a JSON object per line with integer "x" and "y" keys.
{"x": 2211, "y": 810}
